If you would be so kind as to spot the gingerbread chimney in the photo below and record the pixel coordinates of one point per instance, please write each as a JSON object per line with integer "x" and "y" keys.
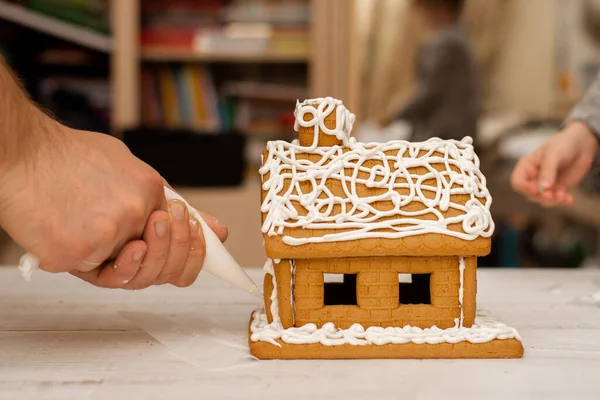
{"x": 325, "y": 112}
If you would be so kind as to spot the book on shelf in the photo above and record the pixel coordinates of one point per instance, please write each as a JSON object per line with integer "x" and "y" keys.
{"x": 175, "y": 23}
{"x": 232, "y": 28}
{"x": 187, "y": 97}
{"x": 151, "y": 109}
{"x": 169, "y": 97}
{"x": 284, "y": 13}
{"x": 211, "y": 100}
{"x": 177, "y": 97}
{"x": 184, "y": 96}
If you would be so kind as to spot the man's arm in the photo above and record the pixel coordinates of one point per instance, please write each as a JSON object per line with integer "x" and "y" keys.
{"x": 21, "y": 123}
{"x": 15, "y": 109}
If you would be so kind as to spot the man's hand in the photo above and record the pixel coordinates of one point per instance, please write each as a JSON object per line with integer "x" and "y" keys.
{"x": 549, "y": 174}
{"x": 82, "y": 198}
{"x": 174, "y": 254}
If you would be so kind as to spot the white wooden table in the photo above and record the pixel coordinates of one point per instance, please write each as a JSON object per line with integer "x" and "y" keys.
{"x": 63, "y": 339}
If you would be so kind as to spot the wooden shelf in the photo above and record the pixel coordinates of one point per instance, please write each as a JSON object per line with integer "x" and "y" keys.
{"x": 166, "y": 55}
{"x": 55, "y": 27}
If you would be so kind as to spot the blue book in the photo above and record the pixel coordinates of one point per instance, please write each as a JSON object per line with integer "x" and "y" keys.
{"x": 184, "y": 96}
{"x": 225, "y": 115}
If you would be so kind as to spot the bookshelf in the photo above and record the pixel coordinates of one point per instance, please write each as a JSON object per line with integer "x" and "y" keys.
{"x": 328, "y": 60}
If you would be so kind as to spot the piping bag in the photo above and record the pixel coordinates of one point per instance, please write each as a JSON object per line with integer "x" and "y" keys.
{"x": 217, "y": 262}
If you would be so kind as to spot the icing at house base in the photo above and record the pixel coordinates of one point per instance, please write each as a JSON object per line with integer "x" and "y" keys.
{"x": 484, "y": 330}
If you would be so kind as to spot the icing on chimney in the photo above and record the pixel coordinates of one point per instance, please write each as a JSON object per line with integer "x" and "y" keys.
{"x": 323, "y": 122}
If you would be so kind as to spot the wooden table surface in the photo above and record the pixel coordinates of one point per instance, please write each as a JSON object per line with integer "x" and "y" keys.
{"x": 63, "y": 339}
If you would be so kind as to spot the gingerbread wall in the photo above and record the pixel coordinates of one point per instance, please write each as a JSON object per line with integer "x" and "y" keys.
{"x": 378, "y": 292}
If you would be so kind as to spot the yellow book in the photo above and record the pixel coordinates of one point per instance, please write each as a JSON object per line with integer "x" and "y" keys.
{"x": 170, "y": 102}
{"x": 198, "y": 96}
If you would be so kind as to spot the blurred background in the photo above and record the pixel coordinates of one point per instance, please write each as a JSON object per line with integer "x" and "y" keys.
{"x": 196, "y": 88}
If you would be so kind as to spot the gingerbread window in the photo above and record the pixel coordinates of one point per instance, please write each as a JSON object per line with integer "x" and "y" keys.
{"x": 414, "y": 289}
{"x": 339, "y": 289}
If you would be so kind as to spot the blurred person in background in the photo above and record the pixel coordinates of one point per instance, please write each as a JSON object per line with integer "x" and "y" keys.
{"x": 447, "y": 100}
{"x": 83, "y": 204}
{"x": 548, "y": 174}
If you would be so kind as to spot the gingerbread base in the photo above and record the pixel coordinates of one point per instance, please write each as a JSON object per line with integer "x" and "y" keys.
{"x": 508, "y": 348}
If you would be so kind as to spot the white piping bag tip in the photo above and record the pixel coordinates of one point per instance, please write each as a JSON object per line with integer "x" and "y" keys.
{"x": 218, "y": 262}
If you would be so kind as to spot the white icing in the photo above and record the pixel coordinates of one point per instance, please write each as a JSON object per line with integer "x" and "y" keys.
{"x": 485, "y": 329}
{"x": 344, "y": 118}
{"x": 461, "y": 269}
{"x": 27, "y": 264}
{"x": 292, "y": 283}
{"x": 360, "y": 215}
{"x": 270, "y": 269}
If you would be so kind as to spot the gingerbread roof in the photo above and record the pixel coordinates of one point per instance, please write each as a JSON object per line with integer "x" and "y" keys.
{"x": 345, "y": 198}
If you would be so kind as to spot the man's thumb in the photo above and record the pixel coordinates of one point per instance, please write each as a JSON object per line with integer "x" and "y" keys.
{"x": 548, "y": 169}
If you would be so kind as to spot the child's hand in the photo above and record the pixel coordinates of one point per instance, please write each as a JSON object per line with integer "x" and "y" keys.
{"x": 548, "y": 174}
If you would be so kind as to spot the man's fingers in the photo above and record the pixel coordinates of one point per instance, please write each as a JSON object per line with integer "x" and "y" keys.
{"x": 156, "y": 236}
{"x": 179, "y": 246}
{"x": 217, "y": 227}
{"x": 195, "y": 259}
{"x": 118, "y": 273}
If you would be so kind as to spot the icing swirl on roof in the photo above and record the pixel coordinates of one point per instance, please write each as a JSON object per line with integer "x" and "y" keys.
{"x": 290, "y": 179}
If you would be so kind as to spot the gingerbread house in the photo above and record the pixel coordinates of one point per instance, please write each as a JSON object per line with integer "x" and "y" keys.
{"x": 373, "y": 247}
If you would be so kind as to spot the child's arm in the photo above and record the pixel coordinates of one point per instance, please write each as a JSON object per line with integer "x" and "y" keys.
{"x": 548, "y": 174}
{"x": 587, "y": 111}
